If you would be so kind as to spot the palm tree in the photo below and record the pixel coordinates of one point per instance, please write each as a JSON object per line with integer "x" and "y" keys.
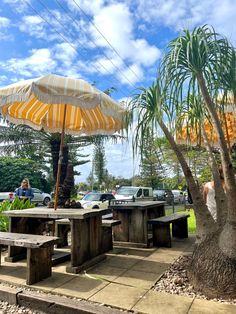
{"x": 194, "y": 65}
{"x": 203, "y": 62}
{"x": 148, "y": 111}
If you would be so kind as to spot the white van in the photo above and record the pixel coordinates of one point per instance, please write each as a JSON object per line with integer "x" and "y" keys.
{"x": 134, "y": 192}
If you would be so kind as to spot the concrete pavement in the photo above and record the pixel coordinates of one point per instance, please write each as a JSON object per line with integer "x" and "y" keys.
{"x": 124, "y": 280}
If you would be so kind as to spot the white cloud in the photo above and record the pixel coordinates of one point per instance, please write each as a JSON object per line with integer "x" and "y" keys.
{"x": 38, "y": 63}
{"x": 115, "y": 22}
{"x": 4, "y": 25}
{"x": 4, "y": 22}
{"x": 86, "y": 6}
{"x": 190, "y": 13}
{"x": 18, "y": 5}
{"x": 33, "y": 25}
{"x": 131, "y": 75}
{"x": 60, "y": 58}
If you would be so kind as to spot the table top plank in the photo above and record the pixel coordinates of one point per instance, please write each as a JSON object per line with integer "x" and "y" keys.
{"x": 26, "y": 240}
{"x": 45, "y": 212}
{"x": 137, "y": 205}
{"x": 168, "y": 219}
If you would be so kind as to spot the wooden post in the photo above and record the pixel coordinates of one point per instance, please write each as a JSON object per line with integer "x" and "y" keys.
{"x": 60, "y": 159}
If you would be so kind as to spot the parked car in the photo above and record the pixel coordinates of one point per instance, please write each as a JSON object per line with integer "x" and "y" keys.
{"x": 164, "y": 195}
{"x": 39, "y": 196}
{"x": 7, "y": 196}
{"x": 96, "y": 200}
{"x": 136, "y": 192}
{"x": 179, "y": 197}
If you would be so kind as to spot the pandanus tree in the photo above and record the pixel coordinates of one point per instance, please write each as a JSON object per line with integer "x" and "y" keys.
{"x": 202, "y": 64}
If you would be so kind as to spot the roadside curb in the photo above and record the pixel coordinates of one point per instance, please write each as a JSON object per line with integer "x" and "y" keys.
{"x": 51, "y": 303}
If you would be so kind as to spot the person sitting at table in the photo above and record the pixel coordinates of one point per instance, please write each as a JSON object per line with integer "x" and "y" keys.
{"x": 24, "y": 192}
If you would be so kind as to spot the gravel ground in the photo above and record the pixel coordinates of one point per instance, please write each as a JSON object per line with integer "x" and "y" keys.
{"x": 6, "y": 308}
{"x": 175, "y": 281}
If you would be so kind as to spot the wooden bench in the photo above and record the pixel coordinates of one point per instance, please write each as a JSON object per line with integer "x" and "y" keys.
{"x": 39, "y": 251}
{"x": 107, "y": 224}
{"x": 62, "y": 227}
{"x": 161, "y": 228}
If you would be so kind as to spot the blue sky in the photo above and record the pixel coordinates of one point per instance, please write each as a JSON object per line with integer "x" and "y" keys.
{"x": 111, "y": 43}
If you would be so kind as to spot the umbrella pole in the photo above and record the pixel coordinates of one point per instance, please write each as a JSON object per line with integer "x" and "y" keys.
{"x": 60, "y": 159}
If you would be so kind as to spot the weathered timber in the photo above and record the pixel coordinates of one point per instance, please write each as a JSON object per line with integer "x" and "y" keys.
{"x": 107, "y": 241}
{"x": 161, "y": 228}
{"x": 39, "y": 250}
{"x": 134, "y": 218}
{"x": 86, "y": 231}
{"x": 62, "y": 226}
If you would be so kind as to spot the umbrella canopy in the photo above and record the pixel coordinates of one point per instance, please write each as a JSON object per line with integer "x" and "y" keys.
{"x": 228, "y": 122}
{"x": 38, "y": 103}
{"x": 61, "y": 104}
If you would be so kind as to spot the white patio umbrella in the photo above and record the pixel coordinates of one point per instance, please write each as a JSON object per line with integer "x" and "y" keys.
{"x": 61, "y": 104}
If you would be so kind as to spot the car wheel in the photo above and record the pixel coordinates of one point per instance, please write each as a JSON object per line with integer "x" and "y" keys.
{"x": 46, "y": 201}
{"x": 95, "y": 206}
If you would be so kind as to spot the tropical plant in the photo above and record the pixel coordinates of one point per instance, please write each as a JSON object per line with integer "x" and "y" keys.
{"x": 197, "y": 64}
{"x": 7, "y": 205}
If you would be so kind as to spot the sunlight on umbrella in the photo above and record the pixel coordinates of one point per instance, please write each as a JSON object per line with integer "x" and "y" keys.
{"x": 61, "y": 104}
{"x": 191, "y": 136}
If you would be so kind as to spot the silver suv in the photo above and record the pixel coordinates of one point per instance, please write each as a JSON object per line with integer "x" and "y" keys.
{"x": 41, "y": 197}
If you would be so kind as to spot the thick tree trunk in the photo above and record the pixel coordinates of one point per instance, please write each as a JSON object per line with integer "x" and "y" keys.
{"x": 221, "y": 201}
{"x": 67, "y": 186}
{"x": 211, "y": 271}
{"x": 227, "y": 240}
{"x": 67, "y": 174}
{"x": 205, "y": 222}
{"x": 55, "y": 148}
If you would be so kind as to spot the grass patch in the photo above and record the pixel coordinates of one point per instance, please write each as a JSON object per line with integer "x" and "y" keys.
{"x": 191, "y": 219}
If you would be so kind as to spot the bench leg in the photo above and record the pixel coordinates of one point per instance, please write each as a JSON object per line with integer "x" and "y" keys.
{"x": 39, "y": 265}
{"x": 62, "y": 233}
{"x": 107, "y": 244}
{"x": 180, "y": 228}
{"x": 161, "y": 235}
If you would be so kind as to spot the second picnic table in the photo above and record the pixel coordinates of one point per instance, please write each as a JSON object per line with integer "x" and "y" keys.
{"x": 134, "y": 216}
{"x": 86, "y": 232}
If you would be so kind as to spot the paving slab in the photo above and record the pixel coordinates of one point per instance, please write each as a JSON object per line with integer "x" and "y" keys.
{"x": 163, "y": 303}
{"x": 14, "y": 275}
{"x": 124, "y": 262}
{"x": 211, "y": 307}
{"x": 55, "y": 281}
{"x": 161, "y": 257}
{"x": 80, "y": 287}
{"x": 136, "y": 253}
{"x": 137, "y": 279}
{"x": 118, "y": 295}
{"x": 151, "y": 266}
{"x": 105, "y": 272}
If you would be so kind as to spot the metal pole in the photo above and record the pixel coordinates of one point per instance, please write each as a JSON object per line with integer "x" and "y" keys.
{"x": 60, "y": 158}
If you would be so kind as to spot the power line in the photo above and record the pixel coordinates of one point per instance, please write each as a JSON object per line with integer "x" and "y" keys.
{"x": 114, "y": 49}
{"x": 65, "y": 39}
{"x": 81, "y": 45}
{"x": 74, "y": 20}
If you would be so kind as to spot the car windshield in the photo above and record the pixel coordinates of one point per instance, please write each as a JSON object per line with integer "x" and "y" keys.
{"x": 176, "y": 192}
{"x": 92, "y": 197}
{"x": 127, "y": 191}
{"x": 159, "y": 192}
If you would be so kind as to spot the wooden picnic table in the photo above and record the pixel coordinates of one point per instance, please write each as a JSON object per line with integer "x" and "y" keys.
{"x": 134, "y": 216}
{"x": 86, "y": 232}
